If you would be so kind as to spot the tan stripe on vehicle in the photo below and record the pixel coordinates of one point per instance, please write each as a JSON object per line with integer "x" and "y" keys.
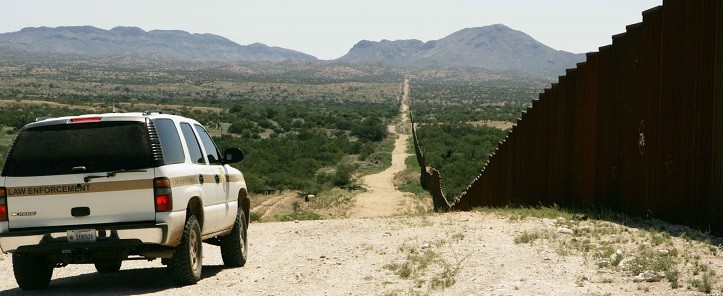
{"x": 80, "y": 188}
{"x": 235, "y": 178}
{"x": 184, "y": 180}
{"x": 191, "y": 180}
{"x": 209, "y": 178}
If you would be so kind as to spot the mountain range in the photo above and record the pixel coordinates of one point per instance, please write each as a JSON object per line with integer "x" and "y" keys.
{"x": 174, "y": 44}
{"x": 496, "y": 48}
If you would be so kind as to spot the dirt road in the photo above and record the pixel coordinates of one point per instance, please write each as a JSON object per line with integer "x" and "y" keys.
{"x": 382, "y": 198}
{"x": 269, "y": 207}
{"x": 473, "y": 253}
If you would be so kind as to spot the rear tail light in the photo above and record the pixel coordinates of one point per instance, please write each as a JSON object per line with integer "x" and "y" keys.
{"x": 3, "y": 204}
{"x": 162, "y": 194}
{"x": 85, "y": 119}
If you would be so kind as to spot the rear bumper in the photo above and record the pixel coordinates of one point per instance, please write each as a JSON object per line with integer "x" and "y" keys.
{"x": 109, "y": 237}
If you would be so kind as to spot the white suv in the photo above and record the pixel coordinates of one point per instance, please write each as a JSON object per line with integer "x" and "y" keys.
{"x": 104, "y": 188}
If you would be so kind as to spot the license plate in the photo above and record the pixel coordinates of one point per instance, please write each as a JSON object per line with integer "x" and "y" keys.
{"x": 81, "y": 235}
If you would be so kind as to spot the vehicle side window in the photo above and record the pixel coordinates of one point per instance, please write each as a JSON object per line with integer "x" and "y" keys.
{"x": 194, "y": 148}
{"x": 211, "y": 151}
{"x": 170, "y": 141}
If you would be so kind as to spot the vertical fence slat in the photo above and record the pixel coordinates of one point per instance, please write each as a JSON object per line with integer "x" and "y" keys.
{"x": 630, "y": 158}
{"x": 715, "y": 199}
{"x": 586, "y": 118}
{"x": 568, "y": 137}
{"x": 612, "y": 189}
{"x": 671, "y": 107}
{"x": 650, "y": 126}
{"x": 602, "y": 126}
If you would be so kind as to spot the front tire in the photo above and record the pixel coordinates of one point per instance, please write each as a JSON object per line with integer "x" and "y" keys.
{"x": 32, "y": 272}
{"x": 234, "y": 246}
{"x": 185, "y": 266}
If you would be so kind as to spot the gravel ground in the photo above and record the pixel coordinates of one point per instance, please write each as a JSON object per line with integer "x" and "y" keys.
{"x": 452, "y": 254}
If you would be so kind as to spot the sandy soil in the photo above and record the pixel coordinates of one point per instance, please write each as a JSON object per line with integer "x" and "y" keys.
{"x": 382, "y": 198}
{"x": 270, "y": 207}
{"x": 95, "y": 108}
{"x": 5, "y": 103}
{"x": 502, "y": 125}
{"x": 357, "y": 257}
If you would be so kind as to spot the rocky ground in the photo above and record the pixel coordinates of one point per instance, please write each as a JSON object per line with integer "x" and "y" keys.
{"x": 473, "y": 253}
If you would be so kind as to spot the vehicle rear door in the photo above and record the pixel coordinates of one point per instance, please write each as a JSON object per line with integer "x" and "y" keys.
{"x": 77, "y": 173}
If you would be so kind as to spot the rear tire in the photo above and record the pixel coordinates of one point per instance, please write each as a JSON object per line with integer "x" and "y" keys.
{"x": 185, "y": 266}
{"x": 108, "y": 267}
{"x": 234, "y": 246}
{"x": 32, "y": 272}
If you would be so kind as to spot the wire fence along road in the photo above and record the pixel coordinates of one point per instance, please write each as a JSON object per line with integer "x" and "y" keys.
{"x": 637, "y": 128}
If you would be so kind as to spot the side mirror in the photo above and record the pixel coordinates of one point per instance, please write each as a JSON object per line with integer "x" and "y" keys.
{"x": 233, "y": 155}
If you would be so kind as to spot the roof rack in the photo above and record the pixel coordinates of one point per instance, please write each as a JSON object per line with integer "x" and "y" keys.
{"x": 149, "y": 112}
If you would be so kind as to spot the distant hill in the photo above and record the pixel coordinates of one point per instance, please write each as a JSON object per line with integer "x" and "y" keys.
{"x": 497, "y": 48}
{"x": 172, "y": 44}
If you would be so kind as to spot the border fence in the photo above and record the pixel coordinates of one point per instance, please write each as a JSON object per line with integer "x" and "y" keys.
{"x": 637, "y": 128}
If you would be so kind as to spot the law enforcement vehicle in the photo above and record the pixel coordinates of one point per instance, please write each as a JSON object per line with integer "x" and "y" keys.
{"x": 104, "y": 188}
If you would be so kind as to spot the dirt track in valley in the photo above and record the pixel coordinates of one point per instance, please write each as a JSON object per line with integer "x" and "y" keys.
{"x": 268, "y": 207}
{"x": 382, "y": 198}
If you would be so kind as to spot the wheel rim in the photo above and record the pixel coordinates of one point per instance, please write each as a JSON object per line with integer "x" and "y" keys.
{"x": 195, "y": 252}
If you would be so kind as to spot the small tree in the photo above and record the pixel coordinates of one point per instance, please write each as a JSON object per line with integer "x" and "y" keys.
{"x": 371, "y": 129}
{"x": 342, "y": 176}
{"x": 240, "y": 125}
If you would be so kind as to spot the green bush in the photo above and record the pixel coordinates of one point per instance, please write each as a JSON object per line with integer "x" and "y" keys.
{"x": 307, "y": 140}
{"x": 342, "y": 175}
{"x": 370, "y": 130}
{"x": 241, "y": 126}
{"x": 458, "y": 152}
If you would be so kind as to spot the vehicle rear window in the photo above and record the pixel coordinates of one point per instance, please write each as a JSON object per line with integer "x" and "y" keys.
{"x": 98, "y": 147}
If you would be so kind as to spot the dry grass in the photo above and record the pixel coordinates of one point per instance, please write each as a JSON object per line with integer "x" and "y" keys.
{"x": 429, "y": 265}
{"x": 624, "y": 250}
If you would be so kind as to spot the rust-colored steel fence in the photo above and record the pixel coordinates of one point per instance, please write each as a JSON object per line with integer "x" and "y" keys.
{"x": 429, "y": 177}
{"x": 637, "y": 128}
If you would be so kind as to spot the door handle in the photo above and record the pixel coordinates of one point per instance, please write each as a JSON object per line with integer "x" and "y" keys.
{"x": 200, "y": 179}
{"x": 218, "y": 178}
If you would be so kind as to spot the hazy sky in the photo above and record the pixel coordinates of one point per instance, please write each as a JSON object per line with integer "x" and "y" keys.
{"x": 327, "y": 29}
